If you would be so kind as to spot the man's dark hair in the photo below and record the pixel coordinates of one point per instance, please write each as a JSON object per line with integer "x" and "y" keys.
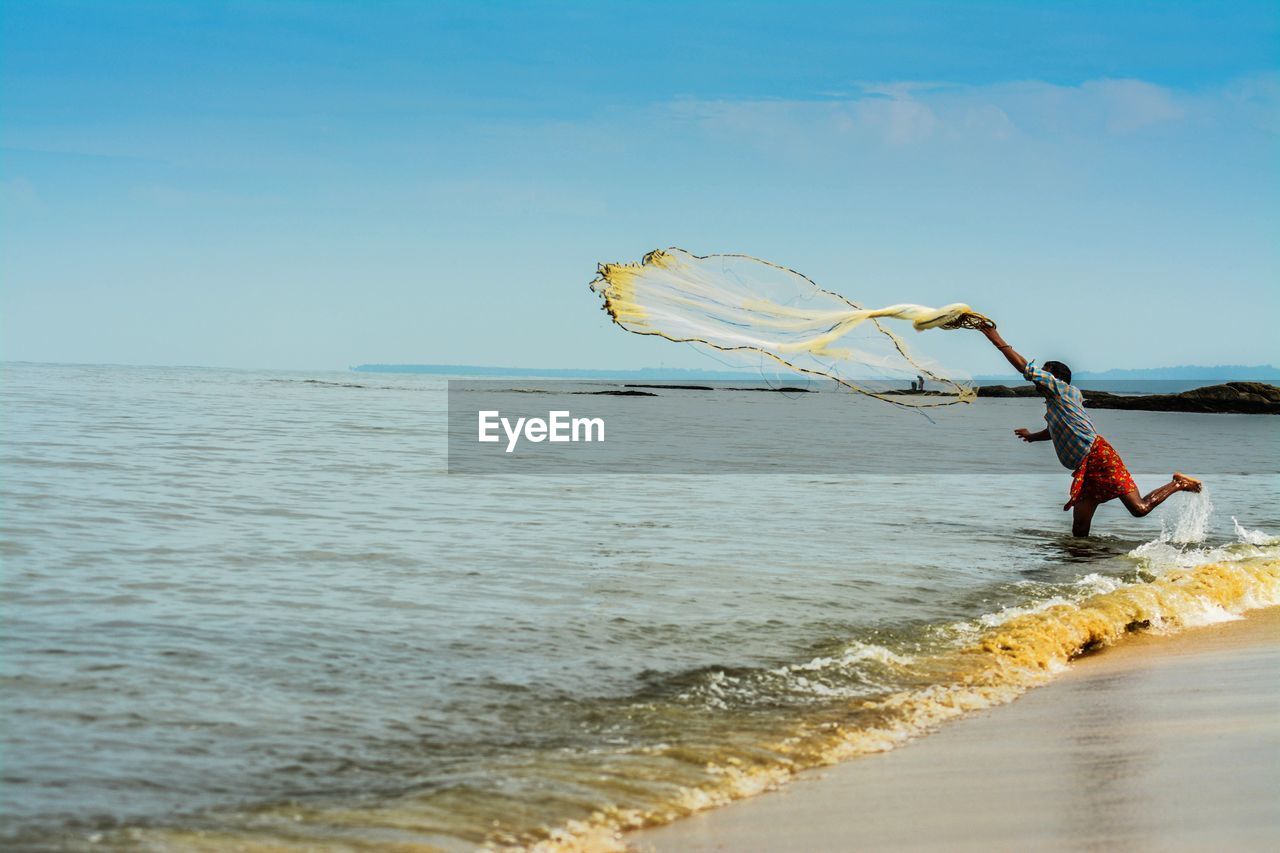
{"x": 1059, "y": 370}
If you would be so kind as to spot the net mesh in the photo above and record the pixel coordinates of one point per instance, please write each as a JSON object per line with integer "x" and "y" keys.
{"x": 748, "y": 307}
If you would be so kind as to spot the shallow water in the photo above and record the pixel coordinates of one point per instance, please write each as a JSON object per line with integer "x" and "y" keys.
{"x": 254, "y": 605}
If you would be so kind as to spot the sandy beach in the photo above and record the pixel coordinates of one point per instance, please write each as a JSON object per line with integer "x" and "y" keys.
{"x": 1168, "y": 743}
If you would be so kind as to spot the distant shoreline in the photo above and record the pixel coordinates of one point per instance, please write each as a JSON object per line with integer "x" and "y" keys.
{"x": 1188, "y": 373}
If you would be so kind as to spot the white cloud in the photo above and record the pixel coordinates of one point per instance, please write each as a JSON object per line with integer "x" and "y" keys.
{"x": 1130, "y": 105}
{"x": 912, "y": 113}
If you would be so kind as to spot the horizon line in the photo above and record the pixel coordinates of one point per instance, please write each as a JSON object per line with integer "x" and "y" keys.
{"x": 1201, "y": 371}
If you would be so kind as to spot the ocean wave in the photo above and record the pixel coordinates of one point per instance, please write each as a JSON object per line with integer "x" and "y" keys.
{"x": 859, "y": 670}
{"x": 702, "y": 738}
{"x": 699, "y": 756}
{"x": 1020, "y": 650}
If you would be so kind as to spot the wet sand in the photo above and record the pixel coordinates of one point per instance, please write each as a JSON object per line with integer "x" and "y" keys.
{"x": 1164, "y": 743}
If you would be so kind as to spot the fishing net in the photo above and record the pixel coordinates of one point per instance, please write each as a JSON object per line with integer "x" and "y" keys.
{"x": 745, "y": 306}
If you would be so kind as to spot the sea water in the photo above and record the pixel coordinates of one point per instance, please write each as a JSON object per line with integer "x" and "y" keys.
{"x": 252, "y": 607}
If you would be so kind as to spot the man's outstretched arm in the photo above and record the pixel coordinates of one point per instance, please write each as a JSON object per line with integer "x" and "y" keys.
{"x": 1019, "y": 363}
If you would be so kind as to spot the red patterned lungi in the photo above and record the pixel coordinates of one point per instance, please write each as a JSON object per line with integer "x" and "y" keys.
{"x": 1101, "y": 476}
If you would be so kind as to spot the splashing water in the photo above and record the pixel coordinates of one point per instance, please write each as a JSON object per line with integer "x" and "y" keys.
{"x": 1253, "y": 537}
{"x": 1183, "y": 546}
{"x": 1171, "y": 548}
{"x": 1191, "y": 526}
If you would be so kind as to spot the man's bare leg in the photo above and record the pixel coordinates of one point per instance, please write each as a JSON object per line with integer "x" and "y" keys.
{"x": 1139, "y": 506}
{"x": 1082, "y": 517}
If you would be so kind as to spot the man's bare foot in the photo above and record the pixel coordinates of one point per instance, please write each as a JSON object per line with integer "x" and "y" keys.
{"x": 1187, "y": 484}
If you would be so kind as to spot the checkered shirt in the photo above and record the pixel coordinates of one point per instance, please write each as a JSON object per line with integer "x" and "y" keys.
{"x": 1069, "y": 427}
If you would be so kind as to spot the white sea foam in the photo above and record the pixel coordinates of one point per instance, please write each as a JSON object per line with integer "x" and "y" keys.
{"x": 1096, "y": 584}
{"x": 1207, "y": 614}
{"x": 991, "y": 620}
{"x": 847, "y": 675}
{"x": 854, "y": 654}
{"x": 1086, "y": 586}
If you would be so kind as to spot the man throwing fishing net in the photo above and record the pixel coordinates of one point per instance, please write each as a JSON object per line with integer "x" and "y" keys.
{"x": 1100, "y": 475}
{"x": 743, "y": 305}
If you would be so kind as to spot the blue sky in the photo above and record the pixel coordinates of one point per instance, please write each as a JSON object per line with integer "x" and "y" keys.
{"x": 314, "y": 185}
